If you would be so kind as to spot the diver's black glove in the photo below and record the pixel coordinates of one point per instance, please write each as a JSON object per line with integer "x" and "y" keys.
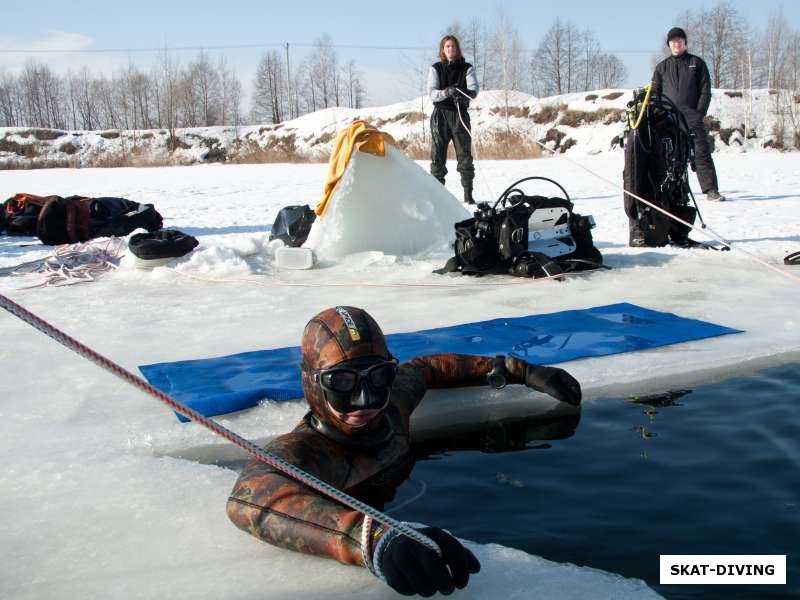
{"x": 411, "y": 568}
{"x": 450, "y": 92}
{"x": 549, "y": 380}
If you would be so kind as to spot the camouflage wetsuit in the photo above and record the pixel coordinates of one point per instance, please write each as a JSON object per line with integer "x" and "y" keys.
{"x": 278, "y": 510}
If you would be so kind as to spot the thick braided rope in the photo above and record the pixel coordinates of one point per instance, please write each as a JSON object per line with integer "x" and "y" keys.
{"x": 271, "y": 459}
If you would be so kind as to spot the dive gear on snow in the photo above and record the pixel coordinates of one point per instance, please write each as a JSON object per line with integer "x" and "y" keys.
{"x": 527, "y": 236}
{"x": 792, "y": 259}
{"x": 657, "y": 154}
{"x": 164, "y": 243}
{"x": 292, "y": 225}
{"x": 56, "y": 220}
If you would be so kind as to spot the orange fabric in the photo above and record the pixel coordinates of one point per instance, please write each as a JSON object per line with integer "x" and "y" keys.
{"x": 358, "y": 135}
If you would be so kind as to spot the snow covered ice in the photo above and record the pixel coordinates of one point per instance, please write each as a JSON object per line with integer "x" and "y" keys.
{"x": 96, "y": 503}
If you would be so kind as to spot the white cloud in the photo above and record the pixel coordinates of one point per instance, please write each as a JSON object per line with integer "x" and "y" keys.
{"x": 54, "y": 40}
{"x": 60, "y": 50}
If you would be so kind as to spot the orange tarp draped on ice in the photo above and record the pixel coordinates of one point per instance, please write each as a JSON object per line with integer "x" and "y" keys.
{"x": 358, "y": 135}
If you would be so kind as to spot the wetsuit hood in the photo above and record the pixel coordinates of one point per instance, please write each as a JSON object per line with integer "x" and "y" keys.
{"x": 334, "y": 336}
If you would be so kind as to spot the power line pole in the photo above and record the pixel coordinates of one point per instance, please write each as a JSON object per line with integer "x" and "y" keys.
{"x": 289, "y": 84}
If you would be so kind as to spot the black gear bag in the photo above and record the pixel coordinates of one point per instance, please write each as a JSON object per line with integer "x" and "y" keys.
{"x": 292, "y": 225}
{"x": 526, "y": 236}
{"x": 56, "y": 220}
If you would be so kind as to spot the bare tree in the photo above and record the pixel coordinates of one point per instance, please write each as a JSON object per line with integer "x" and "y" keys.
{"x": 41, "y": 91}
{"x": 590, "y": 54}
{"x": 774, "y": 49}
{"x": 168, "y": 77}
{"x": 551, "y": 61}
{"x": 352, "y": 82}
{"x": 230, "y": 102}
{"x": 724, "y": 28}
{"x": 268, "y": 89}
{"x": 10, "y": 108}
{"x": 324, "y": 72}
{"x": 611, "y": 71}
{"x": 203, "y": 88}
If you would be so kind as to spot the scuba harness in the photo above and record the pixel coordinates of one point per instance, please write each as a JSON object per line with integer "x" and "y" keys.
{"x": 659, "y": 146}
{"x": 522, "y": 235}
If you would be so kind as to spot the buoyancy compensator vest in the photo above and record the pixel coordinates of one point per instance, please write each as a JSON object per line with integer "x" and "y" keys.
{"x": 526, "y": 236}
{"x": 659, "y": 147}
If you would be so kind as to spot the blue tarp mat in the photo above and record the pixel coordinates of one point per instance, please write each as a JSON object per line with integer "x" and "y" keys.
{"x": 214, "y": 386}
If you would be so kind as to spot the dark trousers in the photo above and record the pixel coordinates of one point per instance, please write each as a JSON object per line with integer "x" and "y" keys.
{"x": 446, "y": 126}
{"x": 706, "y": 173}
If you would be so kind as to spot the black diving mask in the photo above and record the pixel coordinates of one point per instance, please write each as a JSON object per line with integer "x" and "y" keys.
{"x": 357, "y": 385}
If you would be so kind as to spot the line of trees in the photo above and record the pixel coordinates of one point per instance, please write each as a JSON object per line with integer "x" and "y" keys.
{"x": 566, "y": 60}
{"x": 320, "y": 81}
{"x": 202, "y": 93}
{"x": 740, "y": 56}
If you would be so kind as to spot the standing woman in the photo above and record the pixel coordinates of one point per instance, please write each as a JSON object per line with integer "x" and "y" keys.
{"x": 451, "y": 84}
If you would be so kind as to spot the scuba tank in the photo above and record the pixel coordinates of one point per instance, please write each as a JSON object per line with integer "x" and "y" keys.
{"x": 659, "y": 148}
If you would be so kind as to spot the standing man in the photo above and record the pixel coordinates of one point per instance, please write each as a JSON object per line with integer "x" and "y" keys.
{"x": 684, "y": 79}
{"x": 451, "y": 84}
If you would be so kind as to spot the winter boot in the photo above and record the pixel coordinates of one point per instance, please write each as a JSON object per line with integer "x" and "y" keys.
{"x": 636, "y": 237}
{"x": 714, "y": 196}
{"x": 468, "y": 195}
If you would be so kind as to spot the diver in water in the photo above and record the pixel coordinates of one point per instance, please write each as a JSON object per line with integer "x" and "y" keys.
{"x": 356, "y": 438}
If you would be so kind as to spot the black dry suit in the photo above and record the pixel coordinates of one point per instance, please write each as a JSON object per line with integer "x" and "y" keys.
{"x": 445, "y": 122}
{"x": 657, "y": 154}
{"x": 685, "y": 80}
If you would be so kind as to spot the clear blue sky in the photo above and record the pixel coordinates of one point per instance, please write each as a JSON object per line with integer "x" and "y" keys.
{"x": 632, "y": 30}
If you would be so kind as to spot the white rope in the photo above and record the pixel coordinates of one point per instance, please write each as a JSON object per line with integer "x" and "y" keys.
{"x": 266, "y": 283}
{"x": 477, "y": 161}
{"x": 73, "y": 263}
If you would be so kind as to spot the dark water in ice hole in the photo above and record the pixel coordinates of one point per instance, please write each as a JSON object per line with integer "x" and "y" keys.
{"x": 714, "y": 471}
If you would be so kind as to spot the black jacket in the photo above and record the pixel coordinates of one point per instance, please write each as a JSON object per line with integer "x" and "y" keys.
{"x": 685, "y": 80}
{"x": 452, "y": 74}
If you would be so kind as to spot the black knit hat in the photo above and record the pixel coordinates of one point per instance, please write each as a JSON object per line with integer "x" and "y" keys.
{"x": 676, "y": 32}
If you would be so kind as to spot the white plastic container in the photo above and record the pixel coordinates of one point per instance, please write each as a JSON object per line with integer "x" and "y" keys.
{"x": 294, "y": 258}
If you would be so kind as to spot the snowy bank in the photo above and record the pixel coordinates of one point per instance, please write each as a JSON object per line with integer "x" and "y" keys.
{"x": 505, "y": 126}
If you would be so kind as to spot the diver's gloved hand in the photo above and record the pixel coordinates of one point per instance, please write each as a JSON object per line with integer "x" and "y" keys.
{"x": 411, "y": 568}
{"x": 450, "y": 92}
{"x": 549, "y": 380}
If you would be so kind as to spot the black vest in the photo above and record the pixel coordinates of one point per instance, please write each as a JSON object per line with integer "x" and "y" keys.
{"x": 451, "y": 74}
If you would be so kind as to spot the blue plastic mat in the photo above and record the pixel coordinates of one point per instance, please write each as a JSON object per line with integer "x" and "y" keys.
{"x": 214, "y": 386}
